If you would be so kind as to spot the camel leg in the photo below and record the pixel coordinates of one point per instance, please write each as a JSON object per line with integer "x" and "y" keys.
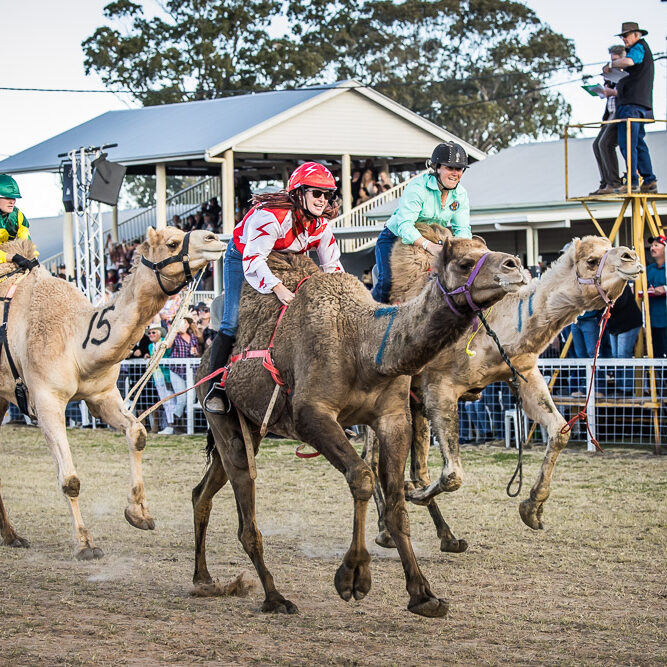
{"x": 394, "y": 435}
{"x": 539, "y": 406}
{"x": 7, "y": 532}
{"x": 214, "y": 479}
{"x": 317, "y": 426}
{"x": 110, "y": 408}
{"x": 370, "y": 456}
{"x": 444, "y": 418}
{"x": 230, "y": 446}
{"x": 51, "y": 415}
{"x": 442, "y": 411}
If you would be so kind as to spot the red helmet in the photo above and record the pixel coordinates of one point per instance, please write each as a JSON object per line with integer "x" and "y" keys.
{"x": 311, "y": 174}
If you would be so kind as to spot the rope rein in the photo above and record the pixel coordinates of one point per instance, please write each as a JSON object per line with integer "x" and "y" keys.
{"x": 514, "y": 385}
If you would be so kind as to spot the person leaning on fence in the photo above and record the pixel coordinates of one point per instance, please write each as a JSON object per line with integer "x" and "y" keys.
{"x": 655, "y": 279}
{"x": 290, "y": 221}
{"x": 634, "y": 99}
{"x": 625, "y": 322}
{"x": 604, "y": 145}
{"x": 13, "y": 224}
{"x": 437, "y": 196}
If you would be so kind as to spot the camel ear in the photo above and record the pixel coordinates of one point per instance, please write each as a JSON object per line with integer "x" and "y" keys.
{"x": 479, "y": 238}
{"x": 151, "y": 236}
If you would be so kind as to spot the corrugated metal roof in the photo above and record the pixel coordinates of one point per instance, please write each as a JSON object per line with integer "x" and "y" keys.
{"x": 162, "y": 132}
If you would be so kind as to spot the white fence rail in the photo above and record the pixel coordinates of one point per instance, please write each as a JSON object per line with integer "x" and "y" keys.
{"x": 616, "y": 418}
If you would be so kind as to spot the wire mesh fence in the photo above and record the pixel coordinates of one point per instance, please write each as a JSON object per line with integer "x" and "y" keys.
{"x": 627, "y": 406}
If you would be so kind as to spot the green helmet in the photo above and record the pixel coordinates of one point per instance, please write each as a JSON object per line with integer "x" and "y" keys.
{"x": 9, "y": 187}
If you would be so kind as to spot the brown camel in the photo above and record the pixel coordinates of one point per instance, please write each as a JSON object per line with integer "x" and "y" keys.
{"x": 67, "y": 350}
{"x": 346, "y": 360}
{"x": 525, "y": 323}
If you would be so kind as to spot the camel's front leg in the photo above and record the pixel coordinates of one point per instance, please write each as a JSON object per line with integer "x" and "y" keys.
{"x": 317, "y": 426}
{"x": 539, "y": 406}
{"x": 394, "y": 434}
{"x": 7, "y": 532}
{"x": 51, "y": 417}
{"x": 110, "y": 408}
{"x": 441, "y": 409}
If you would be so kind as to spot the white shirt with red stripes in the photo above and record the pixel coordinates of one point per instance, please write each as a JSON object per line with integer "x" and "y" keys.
{"x": 263, "y": 230}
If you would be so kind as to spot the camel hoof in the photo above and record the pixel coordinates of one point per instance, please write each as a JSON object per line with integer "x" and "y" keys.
{"x": 89, "y": 553}
{"x": 453, "y": 546}
{"x": 531, "y": 514}
{"x": 431, "y": 607}
{"x": 139, "y": 521}
{"x": 17, "y": 542}
{"x": 353, "y": 581}
{"x": 279, "y": 606}
{"x": 384, "y": 539}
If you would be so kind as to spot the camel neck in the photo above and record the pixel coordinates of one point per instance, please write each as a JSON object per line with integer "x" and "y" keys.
{"x": 410, "y": 335}
{"x": 115, "y": 327}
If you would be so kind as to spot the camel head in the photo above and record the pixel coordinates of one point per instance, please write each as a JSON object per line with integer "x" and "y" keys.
{"x": 620, "y": 265}
{"x": 175, "y": 256}
{"x": 460, "y": 263}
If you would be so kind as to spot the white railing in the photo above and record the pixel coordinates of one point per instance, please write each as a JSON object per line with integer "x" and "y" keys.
{"x": 357, "y": 217}
{"x": 182, "y": 204}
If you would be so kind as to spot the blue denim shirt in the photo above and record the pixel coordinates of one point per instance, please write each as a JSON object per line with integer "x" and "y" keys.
{"x": 421, "y": 202}
{"x": 657, "y": 307}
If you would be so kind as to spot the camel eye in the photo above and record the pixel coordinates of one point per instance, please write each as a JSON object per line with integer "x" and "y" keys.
{"x": 466, "y": 264}
{"x": 172, "y": 245}
{"x": 592, "y": 261}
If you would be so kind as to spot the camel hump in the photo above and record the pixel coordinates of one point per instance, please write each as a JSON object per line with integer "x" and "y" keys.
{"x": 410, "y": 265}
{"x": 291, "y": 267}
{"x": 24, "y": 247}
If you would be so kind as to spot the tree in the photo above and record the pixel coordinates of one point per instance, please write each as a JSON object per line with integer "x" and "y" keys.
{"x": 480, "y": 68}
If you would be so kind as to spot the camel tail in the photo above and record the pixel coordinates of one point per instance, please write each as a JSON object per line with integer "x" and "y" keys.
{"x": 210, "y": 445}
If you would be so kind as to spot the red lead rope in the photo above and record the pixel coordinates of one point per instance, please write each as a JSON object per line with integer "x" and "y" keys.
{"x": 582, "y": 415}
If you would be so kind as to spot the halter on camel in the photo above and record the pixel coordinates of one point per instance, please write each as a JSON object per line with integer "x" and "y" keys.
{"x": 182, "y": 257}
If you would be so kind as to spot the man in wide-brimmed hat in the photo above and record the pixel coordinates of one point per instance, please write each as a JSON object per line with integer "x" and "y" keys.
{"x": 634, "y": 99}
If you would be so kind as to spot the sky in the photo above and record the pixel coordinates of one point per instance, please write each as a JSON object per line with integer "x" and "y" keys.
{"x": 45, "y": 48}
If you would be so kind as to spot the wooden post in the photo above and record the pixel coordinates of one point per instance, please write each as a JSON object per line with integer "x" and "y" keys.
{"x": 346, "y": 182}
{"x": 228, "y": 203}
{"x": 114, "y": 224}
{"x": 160, "y": 195}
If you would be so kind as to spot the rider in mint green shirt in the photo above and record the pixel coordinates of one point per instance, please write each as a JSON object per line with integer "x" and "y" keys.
{"x": 436, "y": 197}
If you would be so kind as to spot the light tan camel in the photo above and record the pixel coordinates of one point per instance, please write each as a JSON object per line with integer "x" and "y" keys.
{"x": 346, "y": 360}
{"x": 525, "y": 322}
{"x": 67, "y": 350}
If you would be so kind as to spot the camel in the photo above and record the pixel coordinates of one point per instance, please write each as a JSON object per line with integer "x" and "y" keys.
{"x": 67, "y": 350}
{"x": 346, "y": 360}
{"x": 525, "y": 322}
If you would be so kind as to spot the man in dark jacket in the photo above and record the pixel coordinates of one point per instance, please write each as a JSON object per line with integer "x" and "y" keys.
{"x": 624, "y": 325}
{"x": 634, "y": 99}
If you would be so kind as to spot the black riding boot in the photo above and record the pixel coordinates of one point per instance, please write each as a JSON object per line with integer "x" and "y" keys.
{"x": 216, "y": 399}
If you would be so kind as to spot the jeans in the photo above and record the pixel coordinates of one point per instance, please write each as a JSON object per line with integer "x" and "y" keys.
{"x": 622, "y": 347}
{"x": 640, "y": 159}
{"x": 604, "y": 148}
{"x": 383, "y": 248}
{"x": 232, "y": 280}
{"x": 178, "y": 384}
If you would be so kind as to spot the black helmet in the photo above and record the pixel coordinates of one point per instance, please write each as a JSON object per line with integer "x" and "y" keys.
{"x": 450, "y": 154}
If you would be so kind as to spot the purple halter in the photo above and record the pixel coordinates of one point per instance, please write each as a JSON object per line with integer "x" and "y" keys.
{"x": 465, "y": 289}
{"x": 596, "y": 280}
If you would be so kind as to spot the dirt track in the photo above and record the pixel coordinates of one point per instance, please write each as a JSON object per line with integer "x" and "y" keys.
{"x": 590, "y": 588}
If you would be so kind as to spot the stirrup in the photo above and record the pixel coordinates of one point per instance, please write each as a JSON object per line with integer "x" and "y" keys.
{"x": 216, "y": 401}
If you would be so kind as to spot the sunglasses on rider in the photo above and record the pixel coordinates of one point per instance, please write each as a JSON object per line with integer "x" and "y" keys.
{"x": 329, "y": 195}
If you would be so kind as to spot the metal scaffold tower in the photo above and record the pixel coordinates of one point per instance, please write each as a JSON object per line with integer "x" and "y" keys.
{"x": 88, "y": 232}
{"x": 643, "y": 217}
